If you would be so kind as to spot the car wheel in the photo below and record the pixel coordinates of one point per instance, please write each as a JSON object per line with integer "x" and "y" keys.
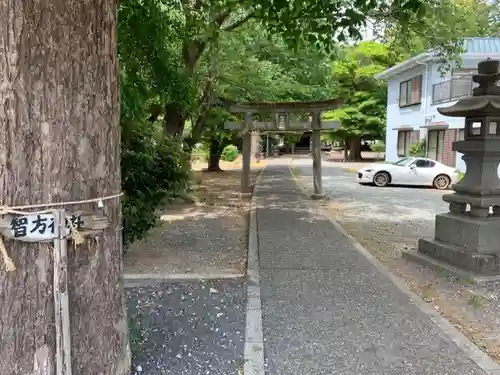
{"x": 381, "y": 179}
{"x": 442, "y": 182}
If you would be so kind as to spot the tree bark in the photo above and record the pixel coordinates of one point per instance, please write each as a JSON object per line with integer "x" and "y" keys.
{"x": 355, "y": 148}
{"x": 214, "y": 157}
{"x": 173, "y": 122}
{"x": 60, "y": 141}
{"x": 346, "y": 149}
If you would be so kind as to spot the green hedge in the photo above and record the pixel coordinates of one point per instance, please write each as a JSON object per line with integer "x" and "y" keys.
{"x": 154, "y": 168}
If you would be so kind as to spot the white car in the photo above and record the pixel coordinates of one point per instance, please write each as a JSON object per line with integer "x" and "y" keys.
{"x": 409, "y": 171}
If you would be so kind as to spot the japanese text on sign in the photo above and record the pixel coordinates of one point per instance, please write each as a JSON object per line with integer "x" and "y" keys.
{"x": 40, "y": 227}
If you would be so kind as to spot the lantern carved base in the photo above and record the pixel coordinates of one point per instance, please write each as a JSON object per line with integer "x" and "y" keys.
{"x": 473, "y": 266}
{"x": 468, "y": 246}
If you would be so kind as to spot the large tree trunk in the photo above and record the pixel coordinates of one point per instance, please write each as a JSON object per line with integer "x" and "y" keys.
{"x": 60, "y": 141}
{"x": 346, "y": 149}
{"x": 355, "y": 149}
{"x": 214, "y": 156}
{"x": 173, "y": 122}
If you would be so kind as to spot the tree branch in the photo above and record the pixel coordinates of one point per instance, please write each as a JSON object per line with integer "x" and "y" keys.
{"x": 191, "y": 53}
{"x": 219, "y": 19}
{"x": 206, "y": 104}
{"x": 240, "y": 22}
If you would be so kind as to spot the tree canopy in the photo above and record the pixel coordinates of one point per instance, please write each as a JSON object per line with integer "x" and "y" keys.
{"x": 202, "y": 24}
{"x": 363, "y": 111}
{"x": 443, "y": 28}
{"x": 179, "y": 59}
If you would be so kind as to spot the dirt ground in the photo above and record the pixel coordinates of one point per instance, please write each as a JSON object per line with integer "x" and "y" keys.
{"x": 471, "y": 308}
{"x": 207, "y": 236}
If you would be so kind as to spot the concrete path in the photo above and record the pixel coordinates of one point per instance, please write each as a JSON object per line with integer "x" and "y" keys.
{"x": 326, "y": 309}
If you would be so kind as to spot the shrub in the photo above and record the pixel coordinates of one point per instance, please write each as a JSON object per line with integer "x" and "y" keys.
{"x": 417, "y": 149}
{"x": 230, "y": 153}
{"x": 378, "y": 147}
{"x": 154, "y": 167}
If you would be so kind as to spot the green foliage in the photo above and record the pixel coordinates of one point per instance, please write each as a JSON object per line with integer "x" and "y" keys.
{"x": 364, "y": 109}
{"x": 182, "y": 56}
{"x": 149, "y": 49}
{"x": 443, "y": 29}
{"x": 290, "y": 138}
{"x": 229, "y": 153}
{"x": 417, "y": 149}
{"x": 378, "y": 147}
{"x": 154, "y": 167}
{"x": 310, "y": 28}
{"x": 254, "y": 65}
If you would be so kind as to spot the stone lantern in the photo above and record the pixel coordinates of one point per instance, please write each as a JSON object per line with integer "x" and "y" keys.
{"x": 468, "y": 237}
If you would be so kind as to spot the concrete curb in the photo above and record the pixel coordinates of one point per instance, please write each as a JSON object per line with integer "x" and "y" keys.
{"x": 132, "y": 280}
{"x": 254, "y": 337}
{"x": 481, "y": 359}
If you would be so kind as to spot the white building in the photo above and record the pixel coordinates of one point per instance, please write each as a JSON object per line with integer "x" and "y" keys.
{"x": 416, "y": 89}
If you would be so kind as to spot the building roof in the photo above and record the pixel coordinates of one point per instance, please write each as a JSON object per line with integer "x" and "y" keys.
{"x": 487, "y": 47}
{"x": 482, "y": 45}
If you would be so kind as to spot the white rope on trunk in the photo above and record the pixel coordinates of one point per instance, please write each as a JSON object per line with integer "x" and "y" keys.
{"x": 21, "y": 210}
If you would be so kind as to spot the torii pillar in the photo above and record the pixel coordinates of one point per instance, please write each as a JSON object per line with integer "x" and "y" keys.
{"x": 316, "y": 156}
{"x": 246, "y": 151}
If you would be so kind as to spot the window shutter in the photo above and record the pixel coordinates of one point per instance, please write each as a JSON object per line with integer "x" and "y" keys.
{"x": 403, "y": 87}
{"x": 415, "y": 136}
{"x": 416, "y": 84}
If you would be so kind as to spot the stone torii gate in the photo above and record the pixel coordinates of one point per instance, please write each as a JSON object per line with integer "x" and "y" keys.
{"x": 281, "y": 124}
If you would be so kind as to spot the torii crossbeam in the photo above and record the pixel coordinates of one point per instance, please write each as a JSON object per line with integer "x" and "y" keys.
{"x": 281, "y": 123}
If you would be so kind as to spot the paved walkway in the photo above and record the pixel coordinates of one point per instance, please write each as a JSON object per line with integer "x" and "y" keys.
{"x": 326, "y": 309}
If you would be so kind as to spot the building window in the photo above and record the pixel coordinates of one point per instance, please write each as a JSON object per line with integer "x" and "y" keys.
{"x": 461, "y": 134}
{"x": 404, "y": 139}
{"x": 410, "y": 92}
{"x": 435, "y": 144}
{"x": 459, "y": 86}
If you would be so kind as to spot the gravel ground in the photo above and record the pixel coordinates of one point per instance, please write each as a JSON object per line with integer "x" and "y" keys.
{"x": 208, "y": 237}
{"x": 394, "y": 216}
{"x": 206, "y": 240}
{"x": 388, "y": 220}
{"x": 195, "y": 328}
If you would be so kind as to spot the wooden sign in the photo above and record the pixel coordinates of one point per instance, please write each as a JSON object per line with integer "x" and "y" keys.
{"x": 41, "y": 228}
{"x": 281, "y": 121}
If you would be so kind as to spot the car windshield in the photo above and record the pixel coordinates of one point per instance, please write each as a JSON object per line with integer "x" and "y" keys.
{"x": 403, "y": 162}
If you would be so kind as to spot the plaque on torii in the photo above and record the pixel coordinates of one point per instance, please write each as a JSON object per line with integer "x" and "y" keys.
{"x": 281, "y": 123}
